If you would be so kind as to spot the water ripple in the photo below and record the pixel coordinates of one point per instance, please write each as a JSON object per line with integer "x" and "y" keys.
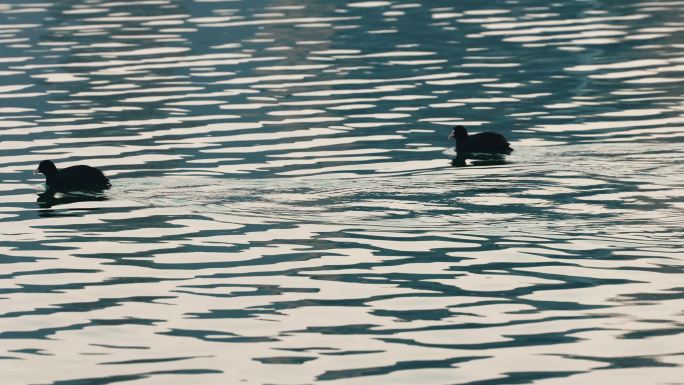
{"x": 283, "y": 196}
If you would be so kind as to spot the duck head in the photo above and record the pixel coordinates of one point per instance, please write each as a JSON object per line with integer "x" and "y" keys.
{"x": 458, "y": 133}
{"x": 46, "y": 168}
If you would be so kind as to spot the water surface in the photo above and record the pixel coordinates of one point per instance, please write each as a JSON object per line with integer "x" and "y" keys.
{"x": 284, "y": 210}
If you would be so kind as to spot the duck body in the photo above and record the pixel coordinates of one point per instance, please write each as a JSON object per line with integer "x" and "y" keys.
{"x": 488, "y": 142}
{"x": 484, "y": 142}
{"x": 72, "y": 178}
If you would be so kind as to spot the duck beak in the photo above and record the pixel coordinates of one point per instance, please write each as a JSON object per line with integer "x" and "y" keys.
{"x": 451, "y": 136}
{"x": 36, "y": 172}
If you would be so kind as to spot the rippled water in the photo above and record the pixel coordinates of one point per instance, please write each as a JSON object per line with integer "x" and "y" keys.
{"x": 284, "y": 211}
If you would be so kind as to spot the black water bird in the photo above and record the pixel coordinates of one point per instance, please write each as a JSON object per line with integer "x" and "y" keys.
{"x": 484, "y": 142}
{"x": 72, "y": 178}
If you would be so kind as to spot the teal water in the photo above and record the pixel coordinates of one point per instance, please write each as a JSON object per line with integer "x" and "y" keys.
{"x": 284, "y": 209}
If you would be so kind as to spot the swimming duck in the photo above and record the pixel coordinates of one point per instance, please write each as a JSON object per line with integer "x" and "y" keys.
{"x": 484, "y": 142}
{"x": 72, "y": 178}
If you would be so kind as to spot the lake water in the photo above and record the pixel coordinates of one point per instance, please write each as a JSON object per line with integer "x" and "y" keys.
{"x": 284, "y": 210}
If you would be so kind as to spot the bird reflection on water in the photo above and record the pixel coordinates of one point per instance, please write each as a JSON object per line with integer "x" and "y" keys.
{"x": 478, "y": 160}
{"x": 51, "y": 198}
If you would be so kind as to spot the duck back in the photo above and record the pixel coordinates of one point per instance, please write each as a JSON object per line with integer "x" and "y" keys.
{"x": 78, "y": 177}
{"x": 486, "y": 142}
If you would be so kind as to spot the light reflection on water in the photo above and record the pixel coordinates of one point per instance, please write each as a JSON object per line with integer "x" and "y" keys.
{"x": 284, "y": 210}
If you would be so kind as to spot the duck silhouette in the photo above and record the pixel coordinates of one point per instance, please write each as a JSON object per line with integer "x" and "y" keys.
{"x": 482, "y": 143}
{"x": 72, "y": 178}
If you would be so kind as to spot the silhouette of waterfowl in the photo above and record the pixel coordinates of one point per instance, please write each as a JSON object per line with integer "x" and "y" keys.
{"x": 484, "y": 142}
{"x": 72, "y": 178}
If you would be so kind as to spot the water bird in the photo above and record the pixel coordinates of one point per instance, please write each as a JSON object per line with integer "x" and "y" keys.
{"x": 484, "y": 142}
{"x": 72, "y": 178}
